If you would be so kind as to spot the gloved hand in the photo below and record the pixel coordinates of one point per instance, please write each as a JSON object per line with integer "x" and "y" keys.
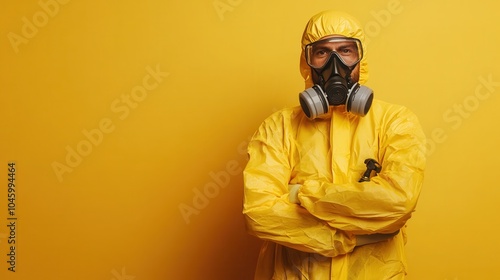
{"x": 293, "y": 195}
{"x": 373, "y": 238}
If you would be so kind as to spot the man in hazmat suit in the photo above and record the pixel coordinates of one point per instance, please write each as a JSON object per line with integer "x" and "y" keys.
{"x": 330, "y": 184}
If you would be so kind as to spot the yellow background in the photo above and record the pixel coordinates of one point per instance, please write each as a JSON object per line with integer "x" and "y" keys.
{"x": 222, "y": 67}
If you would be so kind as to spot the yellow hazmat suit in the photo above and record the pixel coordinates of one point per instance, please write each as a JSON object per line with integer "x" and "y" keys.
{"x": 317, "y": 238}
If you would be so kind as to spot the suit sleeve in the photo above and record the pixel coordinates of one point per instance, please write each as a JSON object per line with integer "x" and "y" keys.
{"x": 268, "y": 212}
{"x": 386, "y": 202}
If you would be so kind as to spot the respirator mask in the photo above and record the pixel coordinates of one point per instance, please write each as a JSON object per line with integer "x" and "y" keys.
{"x": 332, "y": 61}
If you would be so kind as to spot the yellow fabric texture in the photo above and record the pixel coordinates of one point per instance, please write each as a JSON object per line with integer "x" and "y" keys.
{"x": 317, "y": 239}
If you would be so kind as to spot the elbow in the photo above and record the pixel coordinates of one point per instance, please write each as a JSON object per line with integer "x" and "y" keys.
{"x": 405, "y": 200}
{"x": 402, "y": 212}
{"x": 251, "y": 222}
{"x": 409, "y": 202}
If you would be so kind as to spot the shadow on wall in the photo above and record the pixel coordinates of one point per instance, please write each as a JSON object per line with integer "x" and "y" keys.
{"x": 217, "y": 243}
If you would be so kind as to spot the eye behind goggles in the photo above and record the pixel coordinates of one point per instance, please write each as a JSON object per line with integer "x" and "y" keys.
{"x": 348, "y": 50}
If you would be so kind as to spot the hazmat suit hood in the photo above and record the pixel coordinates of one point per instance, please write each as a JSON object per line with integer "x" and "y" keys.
{"x": 332, "y": 23}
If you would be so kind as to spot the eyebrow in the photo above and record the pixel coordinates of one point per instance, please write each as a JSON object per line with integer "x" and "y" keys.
{"x": 334, "y": 45}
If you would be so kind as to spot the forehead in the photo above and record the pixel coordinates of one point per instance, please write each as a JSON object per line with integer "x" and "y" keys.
{"x": 333, "y": 42}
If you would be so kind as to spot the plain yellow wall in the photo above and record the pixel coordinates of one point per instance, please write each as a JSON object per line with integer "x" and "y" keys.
{"x": 128, "y": 120}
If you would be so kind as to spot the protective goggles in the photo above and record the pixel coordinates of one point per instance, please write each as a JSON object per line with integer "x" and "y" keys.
{"x": 348, "y": 50}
